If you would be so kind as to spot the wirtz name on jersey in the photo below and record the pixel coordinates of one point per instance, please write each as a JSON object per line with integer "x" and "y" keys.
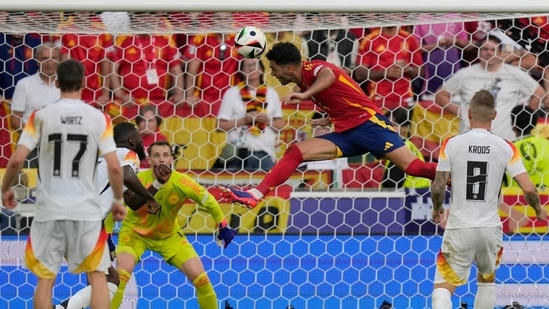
{"x": 71, "y": 120}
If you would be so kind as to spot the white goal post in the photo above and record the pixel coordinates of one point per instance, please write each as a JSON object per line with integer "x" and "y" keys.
{"x": 318, "y": 242}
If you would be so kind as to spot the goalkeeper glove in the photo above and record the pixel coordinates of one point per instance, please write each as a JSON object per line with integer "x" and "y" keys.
{"x": 112, "y": 247}
{"x": 225, "y": 234}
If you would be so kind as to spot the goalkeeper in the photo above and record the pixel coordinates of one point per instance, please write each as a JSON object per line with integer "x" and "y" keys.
{"x": 160, "y": 232}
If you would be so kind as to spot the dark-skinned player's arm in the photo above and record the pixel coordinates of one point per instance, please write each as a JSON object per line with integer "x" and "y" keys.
{"x": 136, "y": 201}
{"x": 131, "y": 181}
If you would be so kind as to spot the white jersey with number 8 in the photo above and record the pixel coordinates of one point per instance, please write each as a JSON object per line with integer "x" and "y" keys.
{"x": 477, "y": 160}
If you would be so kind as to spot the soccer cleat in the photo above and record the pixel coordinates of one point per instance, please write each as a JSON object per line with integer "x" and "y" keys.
{"x": 239, "y": 197}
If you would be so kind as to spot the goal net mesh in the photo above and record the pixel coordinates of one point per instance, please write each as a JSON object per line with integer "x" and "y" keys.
{"x": 337, "y": 234}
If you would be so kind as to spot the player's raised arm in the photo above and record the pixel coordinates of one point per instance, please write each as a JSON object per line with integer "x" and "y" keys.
{"x": 531, "y": 195}
{"x": 324, "y": 79}
{"x": 135, "y": 201}
{"x": 133, "y": 184}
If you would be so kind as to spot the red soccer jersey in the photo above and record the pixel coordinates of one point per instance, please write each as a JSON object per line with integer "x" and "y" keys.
{"x": 138, "y": 54}
{"x": 346, "y": 104}
{"x": 379, "y": 52}
{"x": 90, "y": 50}
{"x": 220, "y": 64}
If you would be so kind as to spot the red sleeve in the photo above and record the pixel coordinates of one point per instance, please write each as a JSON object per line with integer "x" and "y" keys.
{"x": 172, "y": 53}
{"x": 64, "y": 44}
{"x": 192, "y": 50}
{"x": 417, "y": 58}
{"x": 364, "y": 53}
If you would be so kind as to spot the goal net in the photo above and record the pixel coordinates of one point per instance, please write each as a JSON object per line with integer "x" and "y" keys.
{"x": 349, "y": 233}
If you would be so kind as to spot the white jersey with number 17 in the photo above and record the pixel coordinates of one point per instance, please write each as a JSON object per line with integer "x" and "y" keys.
{"x": 71, "y": 135}
{"x": 477, "y": 160}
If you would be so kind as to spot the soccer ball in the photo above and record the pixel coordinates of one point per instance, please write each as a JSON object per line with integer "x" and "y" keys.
{"x": 250, "y": 42}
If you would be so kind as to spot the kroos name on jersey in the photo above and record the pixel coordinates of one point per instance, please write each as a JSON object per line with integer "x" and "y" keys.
{"x": 479, "y": 149}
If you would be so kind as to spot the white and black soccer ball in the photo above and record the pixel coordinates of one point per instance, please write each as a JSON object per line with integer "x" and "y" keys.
{"x": 250, "y": 42}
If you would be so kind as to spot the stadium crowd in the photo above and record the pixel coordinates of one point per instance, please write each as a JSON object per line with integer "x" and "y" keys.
{"x": 173, "y": 85}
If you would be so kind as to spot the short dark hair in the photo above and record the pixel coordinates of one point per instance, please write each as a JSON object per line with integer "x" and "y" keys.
{"x": 284, "y": 53}
{"x": 70, "y": 75}
{"x": 483, "y": 105}
{"x": 490, "y": 38}
{"x": 159, "y": 143}
{"x": 524, "y": 119}
{"x": 139, "y": 119}
{"x": 123, "y": 131}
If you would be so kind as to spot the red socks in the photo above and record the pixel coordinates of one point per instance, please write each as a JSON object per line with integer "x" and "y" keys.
{"x": 282, "y": 170}
{"x": 422, "y": 169}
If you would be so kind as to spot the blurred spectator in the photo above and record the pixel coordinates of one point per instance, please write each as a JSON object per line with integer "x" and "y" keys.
{"x": 147, "y": 70}
{"x": 389, "y": 59}
{"x": 513, "y": 53}
{"x": 91, "y": 51}
{"x": 393, "y": 176}
{"x": 442, "y": 46}
{"x": 476, "y": 31}
{"x": 211, "y": 70}
{"x": 16, "y": 56}
{"x": 251, "y": 114}
{"x": 509, "y": 84}
{"x": 534, "y": 149}
{"x": 336, "y": 46}
{"x": 148, "y": 123}
{"x": 532, "y": 33}
{"x": 35, "y": 91}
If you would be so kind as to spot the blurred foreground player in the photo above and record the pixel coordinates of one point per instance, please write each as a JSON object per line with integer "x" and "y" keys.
{"x": 130, "y": 151}
{"x": 360, "y": 127}
{"x": 476, "y": 161}
{"x": 70, "y": 134}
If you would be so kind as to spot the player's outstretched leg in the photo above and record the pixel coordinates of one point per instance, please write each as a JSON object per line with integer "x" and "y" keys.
{"x": 282, "y": 170}
{"x": 244, "y": 198}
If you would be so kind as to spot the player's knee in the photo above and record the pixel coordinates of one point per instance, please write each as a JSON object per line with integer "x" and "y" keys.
{"x": 293, "y": 148}
{"x": 201, "y": 280}
{"x": 489, "y": 278}
{"x": 113, "y": 277}
{"x": 441, "y": 299}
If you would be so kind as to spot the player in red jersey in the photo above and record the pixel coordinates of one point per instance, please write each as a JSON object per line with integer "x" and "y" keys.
{"x": 360, "y": 127}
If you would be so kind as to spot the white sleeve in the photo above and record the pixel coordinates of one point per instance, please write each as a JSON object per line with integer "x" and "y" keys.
{"x": 19, "y": 99}
{"x": 453, "y": 84}
{"x": 31, "y": 132}
{"x": 106, "y": 140}
{"x": 515, "y": 165}
{"x": 443, "y": 164}
{"x": 275, "y": 106}
{"x": 227, "y": 107}
{"x": 528, "y": 85}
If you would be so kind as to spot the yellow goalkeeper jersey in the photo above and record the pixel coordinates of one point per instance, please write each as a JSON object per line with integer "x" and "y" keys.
{"x": 534, "y": 151}
{"x": 171, "y": 197}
